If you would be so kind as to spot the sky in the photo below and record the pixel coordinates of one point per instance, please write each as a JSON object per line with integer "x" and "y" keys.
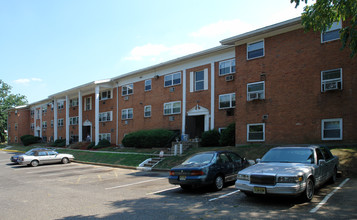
{"x": 48, "y": 46}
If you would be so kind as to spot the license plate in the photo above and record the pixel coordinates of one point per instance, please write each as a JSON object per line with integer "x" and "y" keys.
{"x": 259, "y": 190}
{"x": 182, "y": 177}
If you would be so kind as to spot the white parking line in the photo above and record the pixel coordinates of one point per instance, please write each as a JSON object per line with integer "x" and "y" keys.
{"x": 131, "y": 184}
{"x": 222, "y": 196}
{"x": 328, "y": 196}
{"x": 164, "y": 190}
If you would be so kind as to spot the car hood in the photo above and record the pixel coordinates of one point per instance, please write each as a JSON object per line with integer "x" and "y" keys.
{"x": 277, "y": 168}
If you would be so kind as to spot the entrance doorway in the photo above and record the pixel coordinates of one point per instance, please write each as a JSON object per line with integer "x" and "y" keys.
{"x": 195, "y": 126}
{"x": 86, "y": 133}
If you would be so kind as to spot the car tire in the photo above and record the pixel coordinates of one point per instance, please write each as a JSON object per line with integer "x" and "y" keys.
{"x": 218, "y": 183}
{"x": 308, "y": 194}
{"x": 186, "y": 187}
{"x": 34, "y": 163}
{"x": 65, "y": 160}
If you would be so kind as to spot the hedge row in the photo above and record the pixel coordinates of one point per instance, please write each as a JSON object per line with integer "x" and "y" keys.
{"x": 30, "y": 139}
{"x": 214, "y": 138}
{"x": 158, "y": 138}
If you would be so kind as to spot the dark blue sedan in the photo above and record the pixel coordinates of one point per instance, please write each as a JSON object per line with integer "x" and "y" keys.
{"x": 213, "y": 168}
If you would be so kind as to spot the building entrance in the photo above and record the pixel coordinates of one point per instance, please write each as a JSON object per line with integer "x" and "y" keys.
{"x": 195, "y": 126}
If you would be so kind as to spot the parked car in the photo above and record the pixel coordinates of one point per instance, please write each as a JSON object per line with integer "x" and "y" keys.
{"x": 15, "y": 157}
{"x": 44, "y": 157}
{"x": 289, "y": 171}
{"x": 213, "y": 168}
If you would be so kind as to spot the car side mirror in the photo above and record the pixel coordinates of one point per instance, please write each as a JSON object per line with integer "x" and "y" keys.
{"x": 257, "y": 160}
{"x": 322, "y": 162}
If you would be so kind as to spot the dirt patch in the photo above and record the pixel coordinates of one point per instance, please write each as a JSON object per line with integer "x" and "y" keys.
{"x": 348, "y": 160}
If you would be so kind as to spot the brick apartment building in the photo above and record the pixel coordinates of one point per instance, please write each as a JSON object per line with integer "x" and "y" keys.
{"x": 278, "y": 84}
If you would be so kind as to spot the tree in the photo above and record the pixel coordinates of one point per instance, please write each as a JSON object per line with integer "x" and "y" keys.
{"x": 7, "y": 101}
{"x": 321, "y": 15}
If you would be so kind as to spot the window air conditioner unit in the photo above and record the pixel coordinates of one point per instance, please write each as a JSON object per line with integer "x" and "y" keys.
{"x": 332, "y": 85}
{"x": 253, "y": 96}
{"x": 172, "y": 89}
{"x": 126, "y": 98}
{"x": 229, "y": 78}
{"x": 172, "y": 118}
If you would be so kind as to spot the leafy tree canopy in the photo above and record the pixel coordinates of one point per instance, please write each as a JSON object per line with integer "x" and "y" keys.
{"x": 321, "y": 15}
{"x": 7, "y": 101}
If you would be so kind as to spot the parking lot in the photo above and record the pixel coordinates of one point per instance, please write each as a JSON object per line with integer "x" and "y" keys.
{"x": 83, "y": 191}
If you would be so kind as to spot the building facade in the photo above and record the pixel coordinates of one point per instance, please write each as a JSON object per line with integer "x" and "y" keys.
{"x": 278, "y": 84}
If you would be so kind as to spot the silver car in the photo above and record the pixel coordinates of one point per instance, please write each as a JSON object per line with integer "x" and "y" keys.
{"x": 44, "y": 157}
{"x": 289, "y": 171}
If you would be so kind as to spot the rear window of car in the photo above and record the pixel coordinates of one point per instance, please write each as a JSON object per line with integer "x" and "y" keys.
{"x": 200, "y": 159}
{"x": 289, "y": 155}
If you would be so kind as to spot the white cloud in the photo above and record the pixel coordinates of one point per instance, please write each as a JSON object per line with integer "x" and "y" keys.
{"x": 26, "y": 81}
{"x": 160, "y": 52}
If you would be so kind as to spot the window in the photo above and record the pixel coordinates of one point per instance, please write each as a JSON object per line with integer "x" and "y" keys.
{"x": 37, "y": 113}
{"x": 227, "y": 67}
{"x": 15, "y": 139}
{"x": 227, "y": 101}
{"x": 127, "y": 114}
{"x": 173, "y": 79}
{"x": 61, "y": 105}
{"x": 256, "y": 132}
{"x": 51, "y": 123}
{"x": 331, "y": 34}
{"x": 255, "y": 91}
{"x": 147, "y": 111}
{"x": 32, "y": 113}
{"x": 104, "y": 136}
{"x": 171, "y": 108}
{"x": 73, "y": 102}
{"x": 331, "y": 129}
{"x": 73, "y": 120}
{"x": 331, "y": 80}
{"x": 255, "y": 50}
{"x": 220, "y": 130}
{"x": 88, "y": 104}
{"x": 148, "y": 85}
{"x": 105, "y": 116}
{"x": 105, "y": 95}
{"x": 44, "y": 110}
{"x": 60, "y": 122}
{"x": 32, "y": 126}
{"x": 15, "y": 126}
{"x": 44, "y": 124}
{"x": 199, "y": 80}
{"x": 127, "y": 90}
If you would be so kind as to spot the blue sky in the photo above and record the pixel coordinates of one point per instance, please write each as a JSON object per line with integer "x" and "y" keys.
{"x": 47, "y": 46}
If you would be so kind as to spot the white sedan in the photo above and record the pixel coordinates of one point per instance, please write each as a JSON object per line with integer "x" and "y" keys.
{"x": 44, "y": 157}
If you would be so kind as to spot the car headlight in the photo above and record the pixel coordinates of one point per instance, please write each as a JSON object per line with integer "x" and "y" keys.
{"x": 243, "y": 177}
{"x": 290, "y": 179}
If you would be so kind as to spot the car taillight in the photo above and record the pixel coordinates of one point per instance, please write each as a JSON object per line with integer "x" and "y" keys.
{"x": 172, "y": 173}
{"x": 197, "y": 173}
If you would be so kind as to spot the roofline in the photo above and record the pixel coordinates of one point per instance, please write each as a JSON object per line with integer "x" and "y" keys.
{"x": 284, "y": 26}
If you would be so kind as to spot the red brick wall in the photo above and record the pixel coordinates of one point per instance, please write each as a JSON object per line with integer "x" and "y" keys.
{"x": 22, "y": 118}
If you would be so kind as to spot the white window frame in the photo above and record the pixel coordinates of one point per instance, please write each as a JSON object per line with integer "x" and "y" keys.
{"x": 32, "y": 126}
{"x": 51, "y": 123}
{"x": 108, "y": 95}
{"x": 125, "y": 114}
{"x": 145, "y": 85}
{"x": 331, "y": 120}
{"x": 88, "y": 106}
{"x": 60, "y": 122}
{"x": 335, "y": 80}
{"x": 127, "y": 89}
{"x": 231, "y": 95}
{"x": 73, "y": 102}
{"x": 231, "y": 64}
{"x": 105, "y": 136}
{"x": 103, "y": 116}
{"x": 172, "y": 79}
{"x": 335, "y": 26}
{"x": 170, "y": 106}
{"x": 74, "y": 120}
{"x": 146, "y": 111}
{"x": 255, "y": 42}
{"x": 200, "y": 81}
{"x": 16, "y": 125}
{"x": 220, "y": 130}
{"x": 44, "y": 109}
{"x": 257, "y": 124}
{"x": 60, "y": 105}
{"x": 44, "y": 124}
{"x": 260, "y": 93}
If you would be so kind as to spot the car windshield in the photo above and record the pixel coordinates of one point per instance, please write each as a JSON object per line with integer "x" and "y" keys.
{"x": 204, "y": 158}
{"x": 289, "y": 155}
{"x": 30, "y": 153}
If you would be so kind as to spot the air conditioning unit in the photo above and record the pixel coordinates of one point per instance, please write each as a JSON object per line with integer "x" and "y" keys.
{"x": 229, "y": 78}
{"x": 334, "y": 85}
{"x": 172, "y": 89}
{"x": 253, "y": 96}
{"x": 172, "y": 118}
{"x": 126, "y": 98}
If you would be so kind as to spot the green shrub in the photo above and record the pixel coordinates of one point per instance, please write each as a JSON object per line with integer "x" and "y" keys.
{"x": 30, "y": 139}
{"x": 210, "y": 138}
{"x": 149, "y": 138}
{"x": 91, "y": 145}
{"x": 59, "y": 143}
{"x": 228, "y": 136}
{"x": 102, "y": 144}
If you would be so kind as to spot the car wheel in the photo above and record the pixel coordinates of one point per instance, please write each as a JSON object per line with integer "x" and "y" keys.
{"x": 34, "y": 163}
{"x": 218, "y": 183}
{"x": 186, "y": 187}
{"x": 334, "y": 176}
{"x": 65, "y": 160}
{"x": 308, "y": 194}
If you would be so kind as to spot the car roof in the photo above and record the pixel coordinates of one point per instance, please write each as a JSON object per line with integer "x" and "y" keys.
{"x": 296, "y": 146}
